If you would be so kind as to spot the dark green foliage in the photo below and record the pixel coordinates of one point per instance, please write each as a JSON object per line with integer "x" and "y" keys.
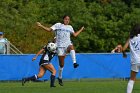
{"x": 107, "y": 22}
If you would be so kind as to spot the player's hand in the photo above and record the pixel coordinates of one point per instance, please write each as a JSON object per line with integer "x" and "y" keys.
{"x": 38, "y": 24}
{"x": 34, "y": 59}
{"x": 82, "y": 28}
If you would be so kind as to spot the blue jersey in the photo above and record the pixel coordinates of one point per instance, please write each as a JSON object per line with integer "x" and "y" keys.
{"x": 47, "y": 56}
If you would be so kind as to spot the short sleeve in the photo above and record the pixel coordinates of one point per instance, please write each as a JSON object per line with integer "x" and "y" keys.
{"x": 55, "y": 26}
{"x": 72, "y": 30}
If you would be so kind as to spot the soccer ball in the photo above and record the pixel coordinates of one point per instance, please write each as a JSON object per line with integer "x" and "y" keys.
{"x": 51, "y": 47}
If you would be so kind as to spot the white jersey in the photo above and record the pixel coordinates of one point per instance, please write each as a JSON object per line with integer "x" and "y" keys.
{"x": 63, "y": 33}
{"x": 135, "y": 49}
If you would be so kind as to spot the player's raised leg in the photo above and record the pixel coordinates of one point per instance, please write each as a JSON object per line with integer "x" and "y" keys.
{"x": 73, "y": 56}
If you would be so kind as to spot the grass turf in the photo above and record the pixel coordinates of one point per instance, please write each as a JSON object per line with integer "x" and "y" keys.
{"x": 94, "y": 86}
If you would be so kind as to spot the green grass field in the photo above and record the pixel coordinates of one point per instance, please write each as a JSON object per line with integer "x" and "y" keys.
{"x": 90, "y": 86}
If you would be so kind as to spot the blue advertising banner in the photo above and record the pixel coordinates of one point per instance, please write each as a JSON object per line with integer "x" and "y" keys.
{"x": 94, "y": 65}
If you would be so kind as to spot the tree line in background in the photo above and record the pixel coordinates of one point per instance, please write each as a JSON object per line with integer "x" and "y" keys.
{"x": 107, "y": 22}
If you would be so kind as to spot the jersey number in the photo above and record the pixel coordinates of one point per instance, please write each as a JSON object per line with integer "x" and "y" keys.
{"x": 136, "y": 45}
{"x": 46, "y": 57}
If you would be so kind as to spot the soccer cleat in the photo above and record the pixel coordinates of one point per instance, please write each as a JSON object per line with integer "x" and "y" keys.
{"x": 75, "y": 65}
{"x": 60, "y": 82}
{"x": 52, "y": 86}
{"x": 23, "y": 81}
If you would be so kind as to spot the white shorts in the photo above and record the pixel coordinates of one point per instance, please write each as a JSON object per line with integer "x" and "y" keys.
{"x": 62, "y": 51}
{"x": 135, "y": 67}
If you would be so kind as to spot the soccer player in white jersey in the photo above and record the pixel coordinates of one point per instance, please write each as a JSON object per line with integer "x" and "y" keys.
{"x": 64, "y": 44}
{"x": 134, "y": 44}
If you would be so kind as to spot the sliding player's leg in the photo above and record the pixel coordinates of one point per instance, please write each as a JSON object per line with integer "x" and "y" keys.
{"x": 34, "y": 77}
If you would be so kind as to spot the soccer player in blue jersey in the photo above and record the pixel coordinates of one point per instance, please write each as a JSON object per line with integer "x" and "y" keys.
{"x": 134, "y": 43}
{"x": 63, "y": 32}
{"x": 49, "y": 52}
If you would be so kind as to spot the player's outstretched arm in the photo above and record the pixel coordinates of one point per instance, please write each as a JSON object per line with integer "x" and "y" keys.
{"x": 43, "y": 27}
{"x": 125, "y": 47}
{"x": 39, "y": 52}
{"x": 78, "y": 32}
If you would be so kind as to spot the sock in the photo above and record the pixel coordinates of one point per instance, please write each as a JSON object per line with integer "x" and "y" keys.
{"x": 72, "y": 53}
{"x": 33, "y": 78}
{"x": 130, "y": 86}
{"x": 60, "y": 72}
{"x": 52, "y": 80}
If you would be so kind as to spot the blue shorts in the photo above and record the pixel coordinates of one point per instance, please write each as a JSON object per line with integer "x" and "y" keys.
{"x": 44, "y": 62}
